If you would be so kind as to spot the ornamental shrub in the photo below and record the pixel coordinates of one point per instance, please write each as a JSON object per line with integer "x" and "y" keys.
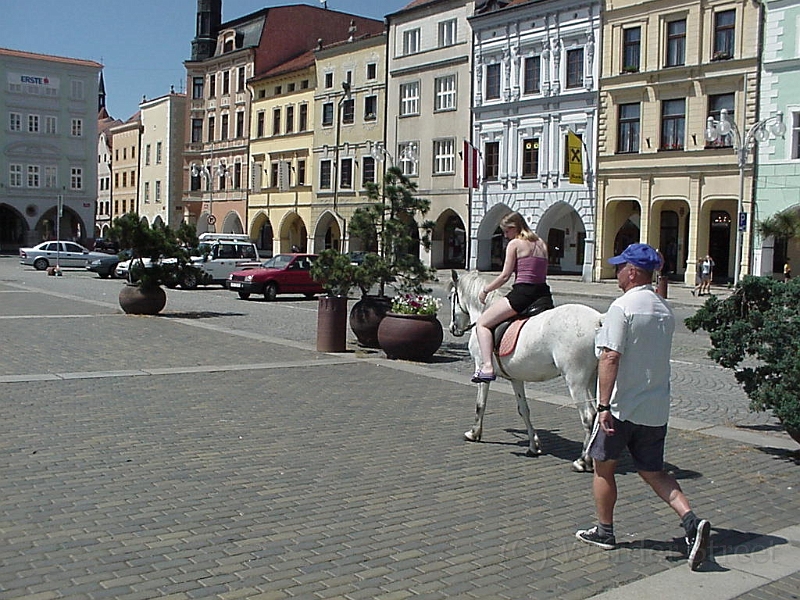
{"x": 756, "y": 332}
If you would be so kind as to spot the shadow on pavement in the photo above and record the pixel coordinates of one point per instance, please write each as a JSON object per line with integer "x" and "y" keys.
{"x": 202, "y": 314}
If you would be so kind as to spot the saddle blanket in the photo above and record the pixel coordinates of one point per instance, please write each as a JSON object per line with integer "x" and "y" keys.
{"x": 508, "y": 340}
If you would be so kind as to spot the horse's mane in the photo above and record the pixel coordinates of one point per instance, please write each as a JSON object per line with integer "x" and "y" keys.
{"x": 470, "y": 285}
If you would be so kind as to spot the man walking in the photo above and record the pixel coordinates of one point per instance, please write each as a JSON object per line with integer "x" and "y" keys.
{"x": 634, "y": 346}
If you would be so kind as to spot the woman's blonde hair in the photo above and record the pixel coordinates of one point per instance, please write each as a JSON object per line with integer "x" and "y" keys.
{"x": 517, "y": 220}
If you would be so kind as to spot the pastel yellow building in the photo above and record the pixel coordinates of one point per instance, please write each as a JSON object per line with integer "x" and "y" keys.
{"x": 667, "y": 67}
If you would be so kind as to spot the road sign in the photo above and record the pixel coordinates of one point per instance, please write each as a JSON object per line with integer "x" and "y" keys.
{"x": 742, "y": 221}
{"x": 212, "y": 219}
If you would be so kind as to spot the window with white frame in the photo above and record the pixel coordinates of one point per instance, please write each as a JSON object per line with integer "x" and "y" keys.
{"x": 372, "y": 71}
{"x": 328, "y": 81}
{"x": 675, "y": 43}
{"x": 51, "y": 177}
{"x": 15, "y": 175}
{"x": 410, "y": 41}
{"x": 445, "y": 88}
{"x": 673, "y": 123}
{"x": 409, "y": 98}
{"x": 14, "y": 121}
{"x": 367, "y": 170}
{"x": 327, "y": 114}
{"x": 51, "y": 125}
{"x": 795, "y": 133}
{"x": 628, "y": 128}
{"x": 77, "y": 89}
{"x": 158, "y": 191}
{"x": 147, "y": 192}
{"x": 530, "y": 158}
{"x": 33, "y": 176}
{"x": 76, "y": 128}
{"x": 370, "y": 108}
{"x": 147, "y": 155}
{"x": 158, "y": 153}
{"x": 325, "y": 174}
{"x": 532, "y": 83}
{"x": 491, "y": 161}
{"x": 574, "y": 68}
{"x": 724, "y": 34}
{"x": 33, "y": 123}
{"x": 76, "y": 178}
{"x": 492, "y": 81}
{"x": 349, "y": 111}
{"x": 447, "y": 33}
{"x": 444, "y": 156}
{"x": 346, "y": 176}
{"x": 405, "y": 153}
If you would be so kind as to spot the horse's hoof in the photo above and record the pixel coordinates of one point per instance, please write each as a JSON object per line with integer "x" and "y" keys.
{"x": 580, "y": 466}
{"x": 471, "y": 437}
{"x": 533, "y": 453}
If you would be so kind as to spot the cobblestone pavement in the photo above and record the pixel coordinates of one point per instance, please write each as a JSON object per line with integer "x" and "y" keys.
{"x": 168, "y": 457}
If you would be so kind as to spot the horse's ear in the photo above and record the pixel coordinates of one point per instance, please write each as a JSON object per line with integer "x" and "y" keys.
{"x": 454, "y": 274}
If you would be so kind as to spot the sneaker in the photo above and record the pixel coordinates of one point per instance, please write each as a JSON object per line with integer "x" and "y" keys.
{"x": 594, "y": 537}
{"x": 699, "y": 544}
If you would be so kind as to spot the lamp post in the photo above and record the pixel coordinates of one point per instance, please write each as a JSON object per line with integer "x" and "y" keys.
{"x": 762, "y": 131}
{"x": 342, "y": 100}
{"x": 207, "y": 171}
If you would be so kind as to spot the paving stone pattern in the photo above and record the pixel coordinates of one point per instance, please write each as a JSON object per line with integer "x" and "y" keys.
{"x": 331, "y": 481}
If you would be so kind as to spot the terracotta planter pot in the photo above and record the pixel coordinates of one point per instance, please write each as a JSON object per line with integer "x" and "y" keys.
{"x": 332, "y": 324}
{"x": 365, "y": 317}
{"x": 793, "y": 433}
{"x": 410, "y": 337}
{"x": 136, "y": 301}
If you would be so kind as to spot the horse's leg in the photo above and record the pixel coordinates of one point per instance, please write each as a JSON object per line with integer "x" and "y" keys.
{"x": 534, "y": 447}
{"x": 474, "y": 434}
{"x": 583, "y": 396}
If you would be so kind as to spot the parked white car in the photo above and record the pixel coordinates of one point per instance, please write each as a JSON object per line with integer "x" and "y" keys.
{"x": 65, "y": 254}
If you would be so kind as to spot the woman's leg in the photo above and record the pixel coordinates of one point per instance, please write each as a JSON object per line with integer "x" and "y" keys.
{"x": 494, "y": 315}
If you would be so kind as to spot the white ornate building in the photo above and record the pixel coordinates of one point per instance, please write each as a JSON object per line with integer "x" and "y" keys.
{"x": 535, "y": 80}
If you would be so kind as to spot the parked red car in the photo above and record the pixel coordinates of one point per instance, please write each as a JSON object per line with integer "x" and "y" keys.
{"x": 281, "y": 274}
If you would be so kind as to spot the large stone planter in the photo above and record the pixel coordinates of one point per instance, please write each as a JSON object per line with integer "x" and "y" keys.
{"x": 332, "y": 324}
{"x": 137, "y": 301}
{"x": 366, "y": 316}
{"x": 410, "y": 337}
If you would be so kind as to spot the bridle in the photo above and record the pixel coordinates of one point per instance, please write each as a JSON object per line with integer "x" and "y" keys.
{"x": 455, "y": 304}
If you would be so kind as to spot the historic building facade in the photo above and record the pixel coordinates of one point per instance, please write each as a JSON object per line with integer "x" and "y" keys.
{"x": 778, "y": 182}
{"x": 666, "y": 68}
{"x": 48, "y": 148}
{"x": 428, "y": 117}
{"x": 224, "y": 57}
{"x": 125, "y": 141}
{"x": 536, "y": 82}
{"x": 161, "y": 159}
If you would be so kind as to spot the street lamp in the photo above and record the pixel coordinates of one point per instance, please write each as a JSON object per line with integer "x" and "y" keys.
{"x": 207, "y": 172}
{"x": 771, "y": 127}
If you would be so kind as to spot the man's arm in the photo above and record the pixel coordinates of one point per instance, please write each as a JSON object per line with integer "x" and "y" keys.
{"x": 607, "y": 370}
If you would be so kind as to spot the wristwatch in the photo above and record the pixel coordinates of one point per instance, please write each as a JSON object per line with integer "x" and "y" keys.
{"x": 603, "y": 407}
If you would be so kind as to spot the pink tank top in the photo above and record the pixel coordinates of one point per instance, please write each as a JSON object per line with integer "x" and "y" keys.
{"x": 531, "y": 269}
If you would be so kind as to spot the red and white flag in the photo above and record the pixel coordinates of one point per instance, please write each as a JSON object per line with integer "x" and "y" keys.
{"x": 471, "y": 158}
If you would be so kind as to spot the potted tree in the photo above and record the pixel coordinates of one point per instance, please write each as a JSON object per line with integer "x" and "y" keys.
{"x": 756, "y": 333}
{"x": 158, "y": 257}
{"x": 388, "y": 225}
{"x": 337, "y": 275}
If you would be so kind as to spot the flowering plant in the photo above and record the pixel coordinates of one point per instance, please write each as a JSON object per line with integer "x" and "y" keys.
{"x": 415, "y": 304}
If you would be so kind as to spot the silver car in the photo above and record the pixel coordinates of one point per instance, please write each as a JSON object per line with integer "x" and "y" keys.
{"x": 65, "y": 254}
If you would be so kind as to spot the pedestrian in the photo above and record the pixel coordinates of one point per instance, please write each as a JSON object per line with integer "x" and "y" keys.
{"x": 526, "y": 259}
{"x": 634, "y": 345}
{"x": 698, "y": 280}
{"x": 706, "y": 274}
{"x": 787, "y": 270}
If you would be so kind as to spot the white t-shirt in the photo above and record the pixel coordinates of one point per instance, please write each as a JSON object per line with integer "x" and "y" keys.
{"x": 639, "y": 325}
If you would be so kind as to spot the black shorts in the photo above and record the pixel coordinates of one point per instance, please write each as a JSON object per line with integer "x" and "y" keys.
{"x": 645, "y": 444}
{"x": 522, "y": 295}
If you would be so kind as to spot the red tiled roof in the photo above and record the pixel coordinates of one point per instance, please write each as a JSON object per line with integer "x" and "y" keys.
{"x": 290, "y": 31}
{"x": 306, "y": 59}
{"x": 61, "y": 59}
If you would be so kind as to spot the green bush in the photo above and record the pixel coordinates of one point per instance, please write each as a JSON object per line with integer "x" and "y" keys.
{"x": 756, "y": 332}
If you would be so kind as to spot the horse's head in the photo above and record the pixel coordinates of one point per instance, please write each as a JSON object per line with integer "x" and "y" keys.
{"x": 459, "y": 315}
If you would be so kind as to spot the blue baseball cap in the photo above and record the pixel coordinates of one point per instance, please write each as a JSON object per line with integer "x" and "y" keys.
{"x": 643, "y": 256}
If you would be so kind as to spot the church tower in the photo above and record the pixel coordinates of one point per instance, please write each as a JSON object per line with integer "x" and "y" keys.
{"x": 101, "y": 94}
{"x": 209, "y": 18}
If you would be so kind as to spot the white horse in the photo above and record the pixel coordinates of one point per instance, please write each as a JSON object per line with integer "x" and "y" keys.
{"x": 559, "y": 341}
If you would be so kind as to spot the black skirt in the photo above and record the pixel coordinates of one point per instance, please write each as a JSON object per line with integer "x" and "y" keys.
{"x": 522, "y": 295}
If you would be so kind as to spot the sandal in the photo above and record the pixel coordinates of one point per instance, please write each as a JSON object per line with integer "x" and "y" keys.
{"x": 480, "y": 377}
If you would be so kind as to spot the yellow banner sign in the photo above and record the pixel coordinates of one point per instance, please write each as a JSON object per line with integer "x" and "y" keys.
{"x": 575, "y": 154}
